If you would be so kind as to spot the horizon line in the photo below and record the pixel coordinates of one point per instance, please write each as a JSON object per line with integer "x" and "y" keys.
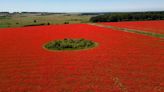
{"x": 85, "y": 12}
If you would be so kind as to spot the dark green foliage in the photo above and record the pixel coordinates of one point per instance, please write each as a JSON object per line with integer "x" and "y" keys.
{"x": 35, "y": 21}
{"x": 66, "y": 22}
{"x": 41, "y": 24}
{"x": 70, "y": 44}
{"x": 136, "y": 16}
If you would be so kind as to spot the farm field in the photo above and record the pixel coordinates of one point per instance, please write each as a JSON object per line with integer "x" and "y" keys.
{"x": 123, "y": 62}
{"x": 20, "y": 20}
{"x": 148, "y": 26}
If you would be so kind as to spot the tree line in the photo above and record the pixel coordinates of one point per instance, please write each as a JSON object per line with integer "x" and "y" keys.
{"x": 128, "y": 16}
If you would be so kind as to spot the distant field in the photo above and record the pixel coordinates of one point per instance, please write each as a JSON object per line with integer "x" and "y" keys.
{"x": 24, "y": 19}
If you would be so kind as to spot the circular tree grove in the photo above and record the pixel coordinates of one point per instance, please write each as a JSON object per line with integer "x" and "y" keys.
{"x": 70, "y": 44}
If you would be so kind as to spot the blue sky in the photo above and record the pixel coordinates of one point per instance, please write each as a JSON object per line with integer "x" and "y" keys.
{"x": 81, "y": 5}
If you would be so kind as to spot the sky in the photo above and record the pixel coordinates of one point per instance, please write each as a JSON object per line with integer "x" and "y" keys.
{"x": 81, "y": 5}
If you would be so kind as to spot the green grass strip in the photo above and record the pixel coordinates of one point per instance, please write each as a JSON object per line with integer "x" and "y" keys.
{"x": 130, "y": 30}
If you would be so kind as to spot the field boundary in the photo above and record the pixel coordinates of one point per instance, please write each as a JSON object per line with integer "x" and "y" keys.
{"x": 129, "y": 30}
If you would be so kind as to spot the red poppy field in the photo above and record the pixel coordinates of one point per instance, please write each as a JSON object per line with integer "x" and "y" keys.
{"x": 122, "y": 62}
{"x": 148, "y": 26}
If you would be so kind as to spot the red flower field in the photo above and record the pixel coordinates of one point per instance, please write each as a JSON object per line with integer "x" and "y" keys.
{"x": 123, "y": 62}
{"x": 149, "y": 26}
